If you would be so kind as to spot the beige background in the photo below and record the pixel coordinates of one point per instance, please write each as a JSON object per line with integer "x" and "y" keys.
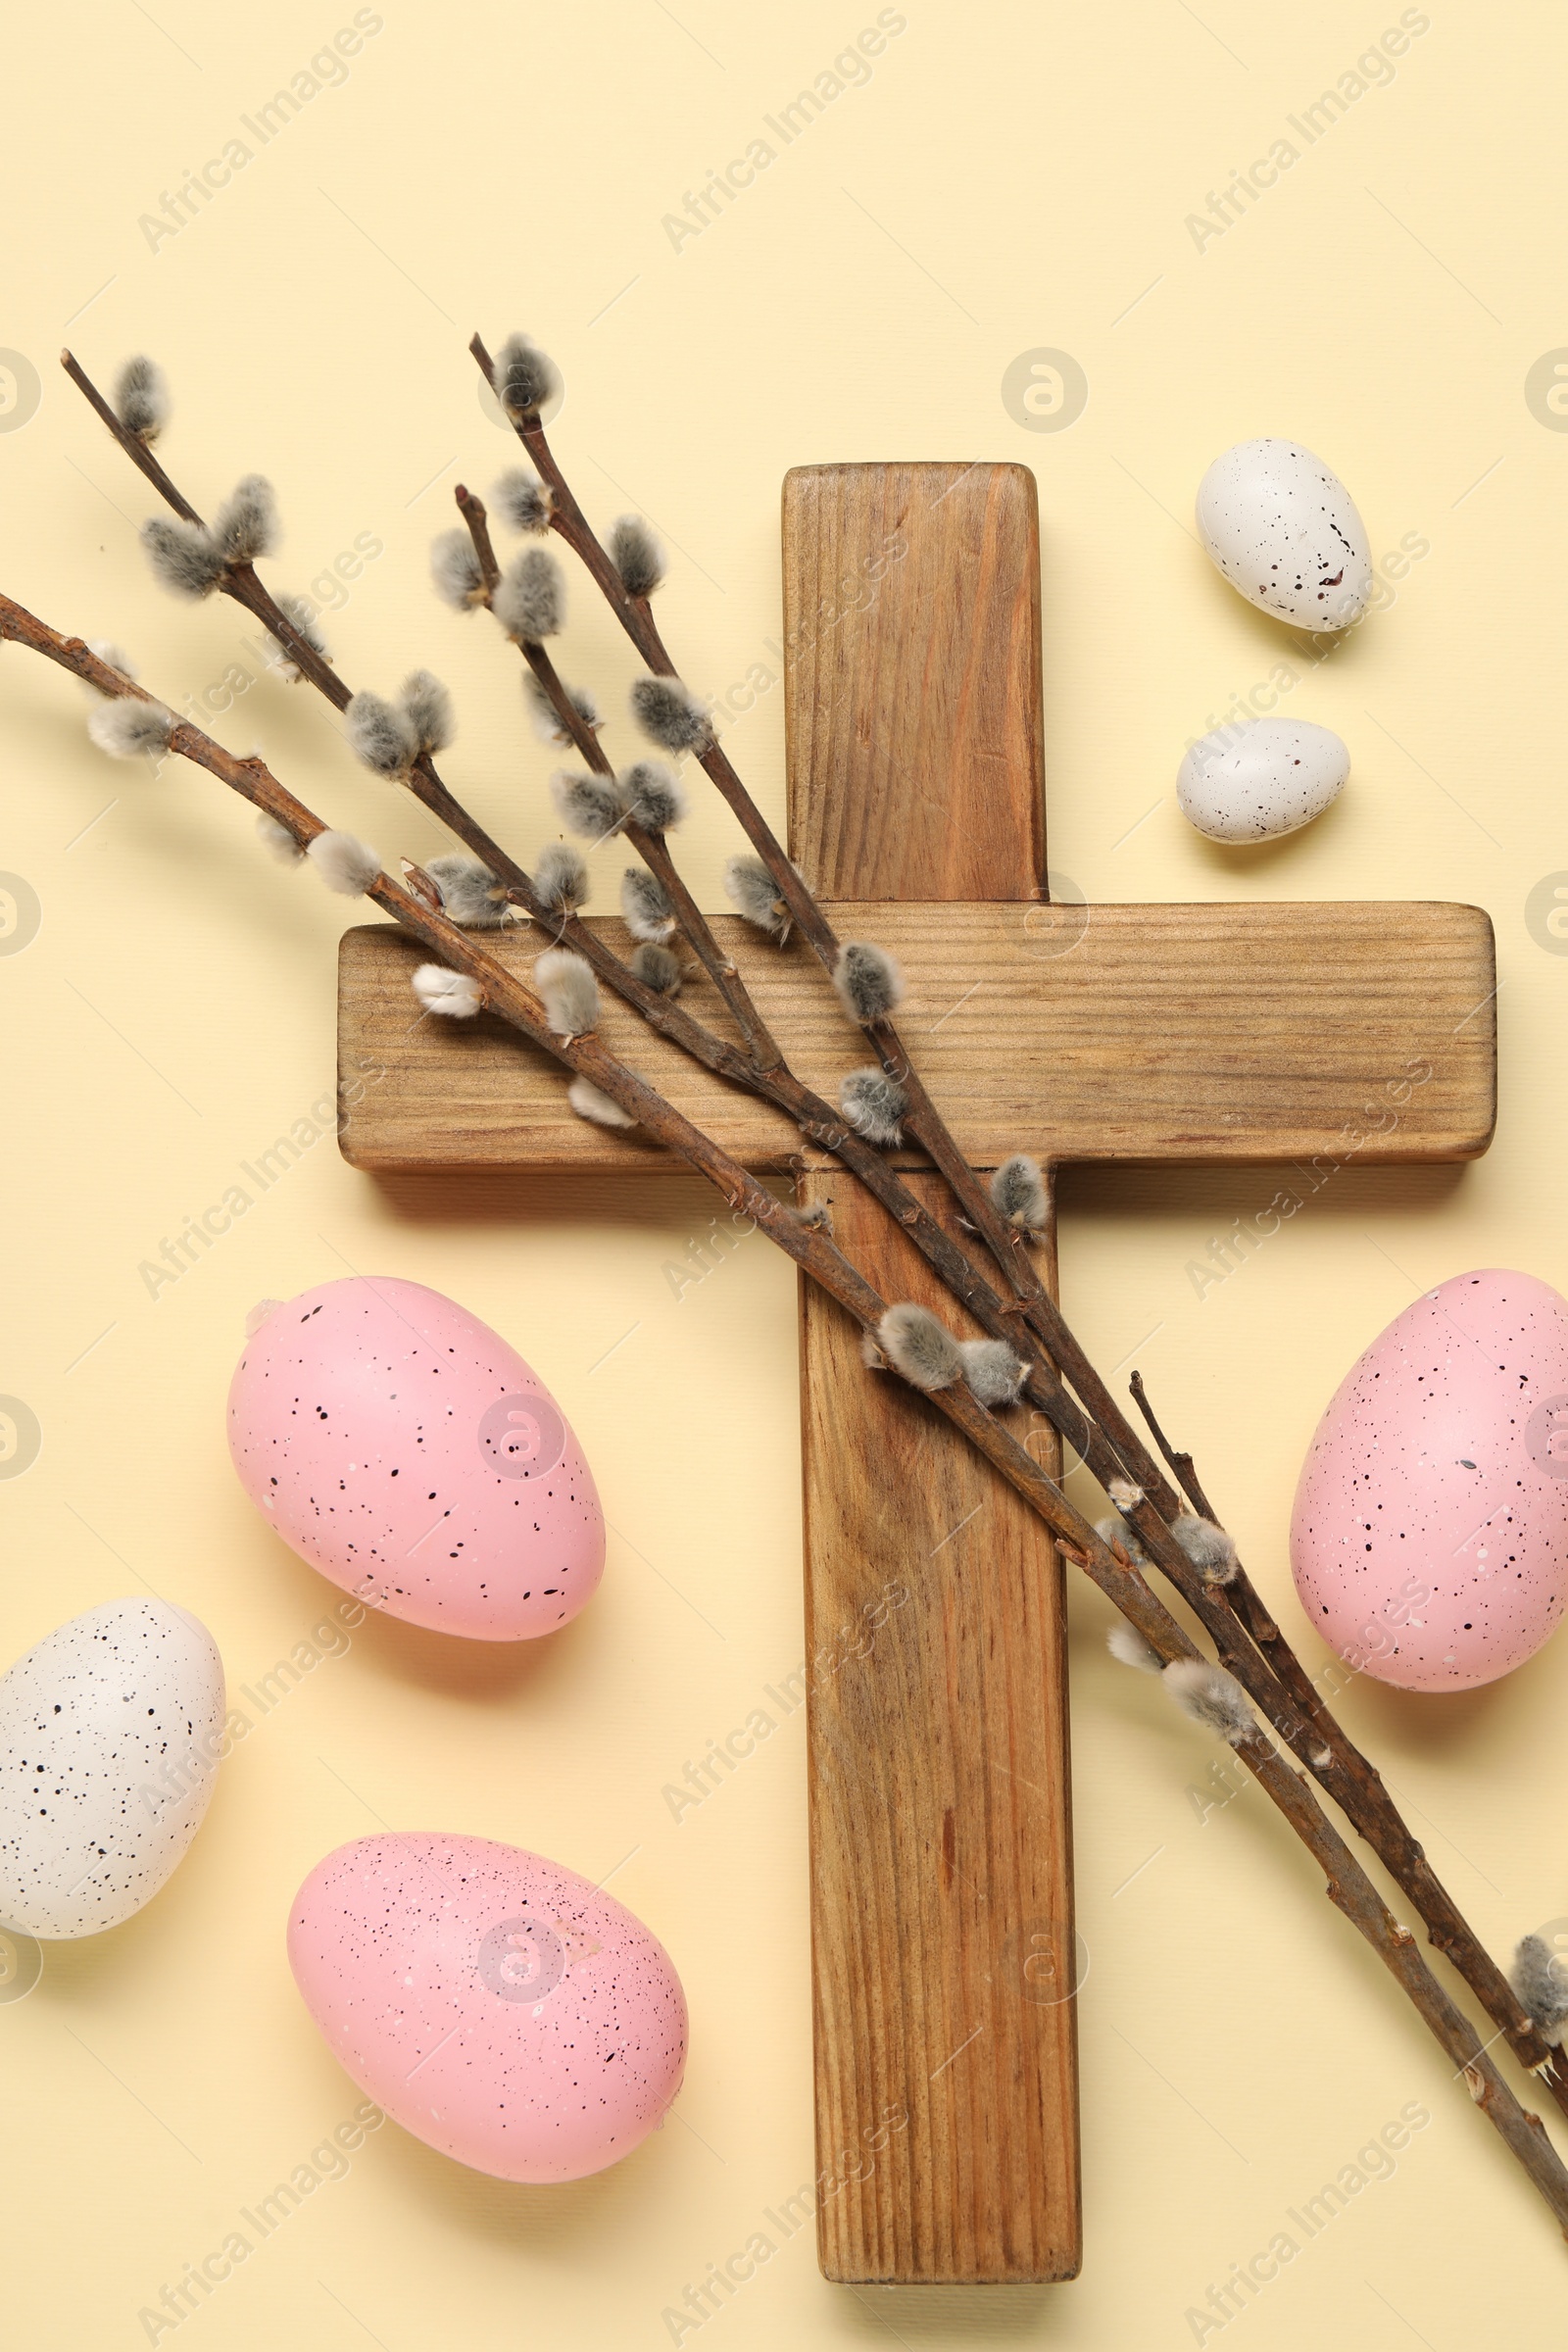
{"x": 1009, "y": 179}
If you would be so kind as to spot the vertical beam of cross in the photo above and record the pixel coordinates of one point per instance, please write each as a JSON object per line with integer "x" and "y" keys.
{"x": 942, "y": 1942}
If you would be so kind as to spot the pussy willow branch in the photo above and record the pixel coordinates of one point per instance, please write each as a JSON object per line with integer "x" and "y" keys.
{"x": 1346, "y": 1884}
{"x": 1242, "y": 1599}
{"x": 1246, "y": 1638}
{"x": 1359, "y": 1787}
{"x": 240, "y": 582}
{"x": 923, "y": 1121}
{"x": 761, "y": 1046}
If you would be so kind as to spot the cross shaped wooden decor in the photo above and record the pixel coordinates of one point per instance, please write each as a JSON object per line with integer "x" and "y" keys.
{"x": 944, "y": 1951}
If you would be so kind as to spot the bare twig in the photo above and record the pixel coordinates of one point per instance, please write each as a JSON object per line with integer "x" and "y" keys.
{"x": 476, "y": 514}
{"x": 1180, "y": 1464}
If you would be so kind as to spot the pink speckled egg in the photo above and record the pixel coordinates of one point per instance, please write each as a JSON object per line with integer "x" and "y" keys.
{"x": 497, "y": 2005}
{"x": 401, "y": 1446}
{"x": 1430, "y": 1535}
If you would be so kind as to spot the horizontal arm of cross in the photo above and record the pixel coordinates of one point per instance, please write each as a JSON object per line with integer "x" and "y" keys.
{"x": 1134, "y": 1033}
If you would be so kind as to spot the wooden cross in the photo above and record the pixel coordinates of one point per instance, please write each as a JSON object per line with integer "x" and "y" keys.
{"x": 942, "y": 1944}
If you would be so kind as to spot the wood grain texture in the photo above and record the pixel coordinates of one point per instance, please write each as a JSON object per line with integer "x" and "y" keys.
{"x": 943, "y": 1949}
{"x": 911, "y": 695}
{"x": 1224, "y": 1034}
{"x": 942, "y": 1938}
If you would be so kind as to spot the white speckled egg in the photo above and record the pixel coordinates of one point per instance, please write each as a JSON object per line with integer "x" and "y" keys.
{"x": 1284, "y": 530}
{"x": 496, "y": 2004}
{"x": 111, "y": 1731}
{"x": 1430, "y": 1535}
{"x": 1256, "y": 782}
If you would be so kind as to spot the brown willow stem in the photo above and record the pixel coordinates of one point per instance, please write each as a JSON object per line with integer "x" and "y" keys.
{"x": 476, "y": 516}
{"x": 923, "y": 1121}
{"x": 1353, "y": 1781}
{"x": 1348, "y": 1884}
{"x": 1180, "y": 1464}
{"x": 134, "y": 447}
{"x": 1244, "y": 1599}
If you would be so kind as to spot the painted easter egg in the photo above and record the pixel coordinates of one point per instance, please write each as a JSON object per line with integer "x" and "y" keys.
{"x": 111, "y": 1733}
{"x": 1430, "y": 1534}
{"x": 404, "y": 1448}
{"x": 1256, "y": 782}
{"x": 497, "y": 2005}
{"x": 1284, "y": 530}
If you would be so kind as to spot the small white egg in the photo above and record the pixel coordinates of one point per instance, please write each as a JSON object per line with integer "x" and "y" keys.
{"x": 111, "y": 1730}
{"x": 1282, "y": 528}
{"x": 1256, "y": 782}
